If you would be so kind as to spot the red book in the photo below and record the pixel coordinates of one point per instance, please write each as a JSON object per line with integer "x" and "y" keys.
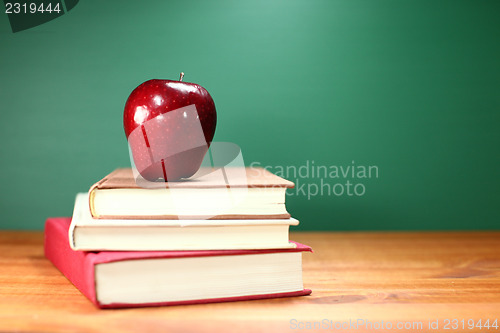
{"x": 153, "y": 278}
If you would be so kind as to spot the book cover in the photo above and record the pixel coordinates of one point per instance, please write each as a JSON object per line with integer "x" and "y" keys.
{"x": 253, "y": 177}
{"x": 80, "y": 266}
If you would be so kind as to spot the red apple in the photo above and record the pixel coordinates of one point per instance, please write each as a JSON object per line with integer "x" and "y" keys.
{"x": 169, "y": 126}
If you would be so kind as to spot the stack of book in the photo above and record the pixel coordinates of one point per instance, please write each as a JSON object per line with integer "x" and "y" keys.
{"x": 198, "y": 241}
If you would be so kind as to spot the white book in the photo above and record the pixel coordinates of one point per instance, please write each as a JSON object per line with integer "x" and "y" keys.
{"x": 89, "y": 234}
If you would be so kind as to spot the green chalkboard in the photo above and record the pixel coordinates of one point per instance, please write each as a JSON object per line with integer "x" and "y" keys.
{"x": 393, "y": 105}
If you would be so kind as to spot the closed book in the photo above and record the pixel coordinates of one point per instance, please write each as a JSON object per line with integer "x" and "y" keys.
{"x": 227, "y": 193}
{"x": 91, "y": 234}
{"x": 153, "y": 278}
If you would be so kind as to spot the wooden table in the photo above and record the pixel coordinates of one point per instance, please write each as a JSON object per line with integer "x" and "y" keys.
{"x": 397, "y": 279}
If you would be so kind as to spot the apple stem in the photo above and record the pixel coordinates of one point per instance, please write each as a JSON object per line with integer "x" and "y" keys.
{"x": 182, "y": 75}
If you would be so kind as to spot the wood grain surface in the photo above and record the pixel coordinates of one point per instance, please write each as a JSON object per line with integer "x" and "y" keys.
{"x": 360, "y": 282}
